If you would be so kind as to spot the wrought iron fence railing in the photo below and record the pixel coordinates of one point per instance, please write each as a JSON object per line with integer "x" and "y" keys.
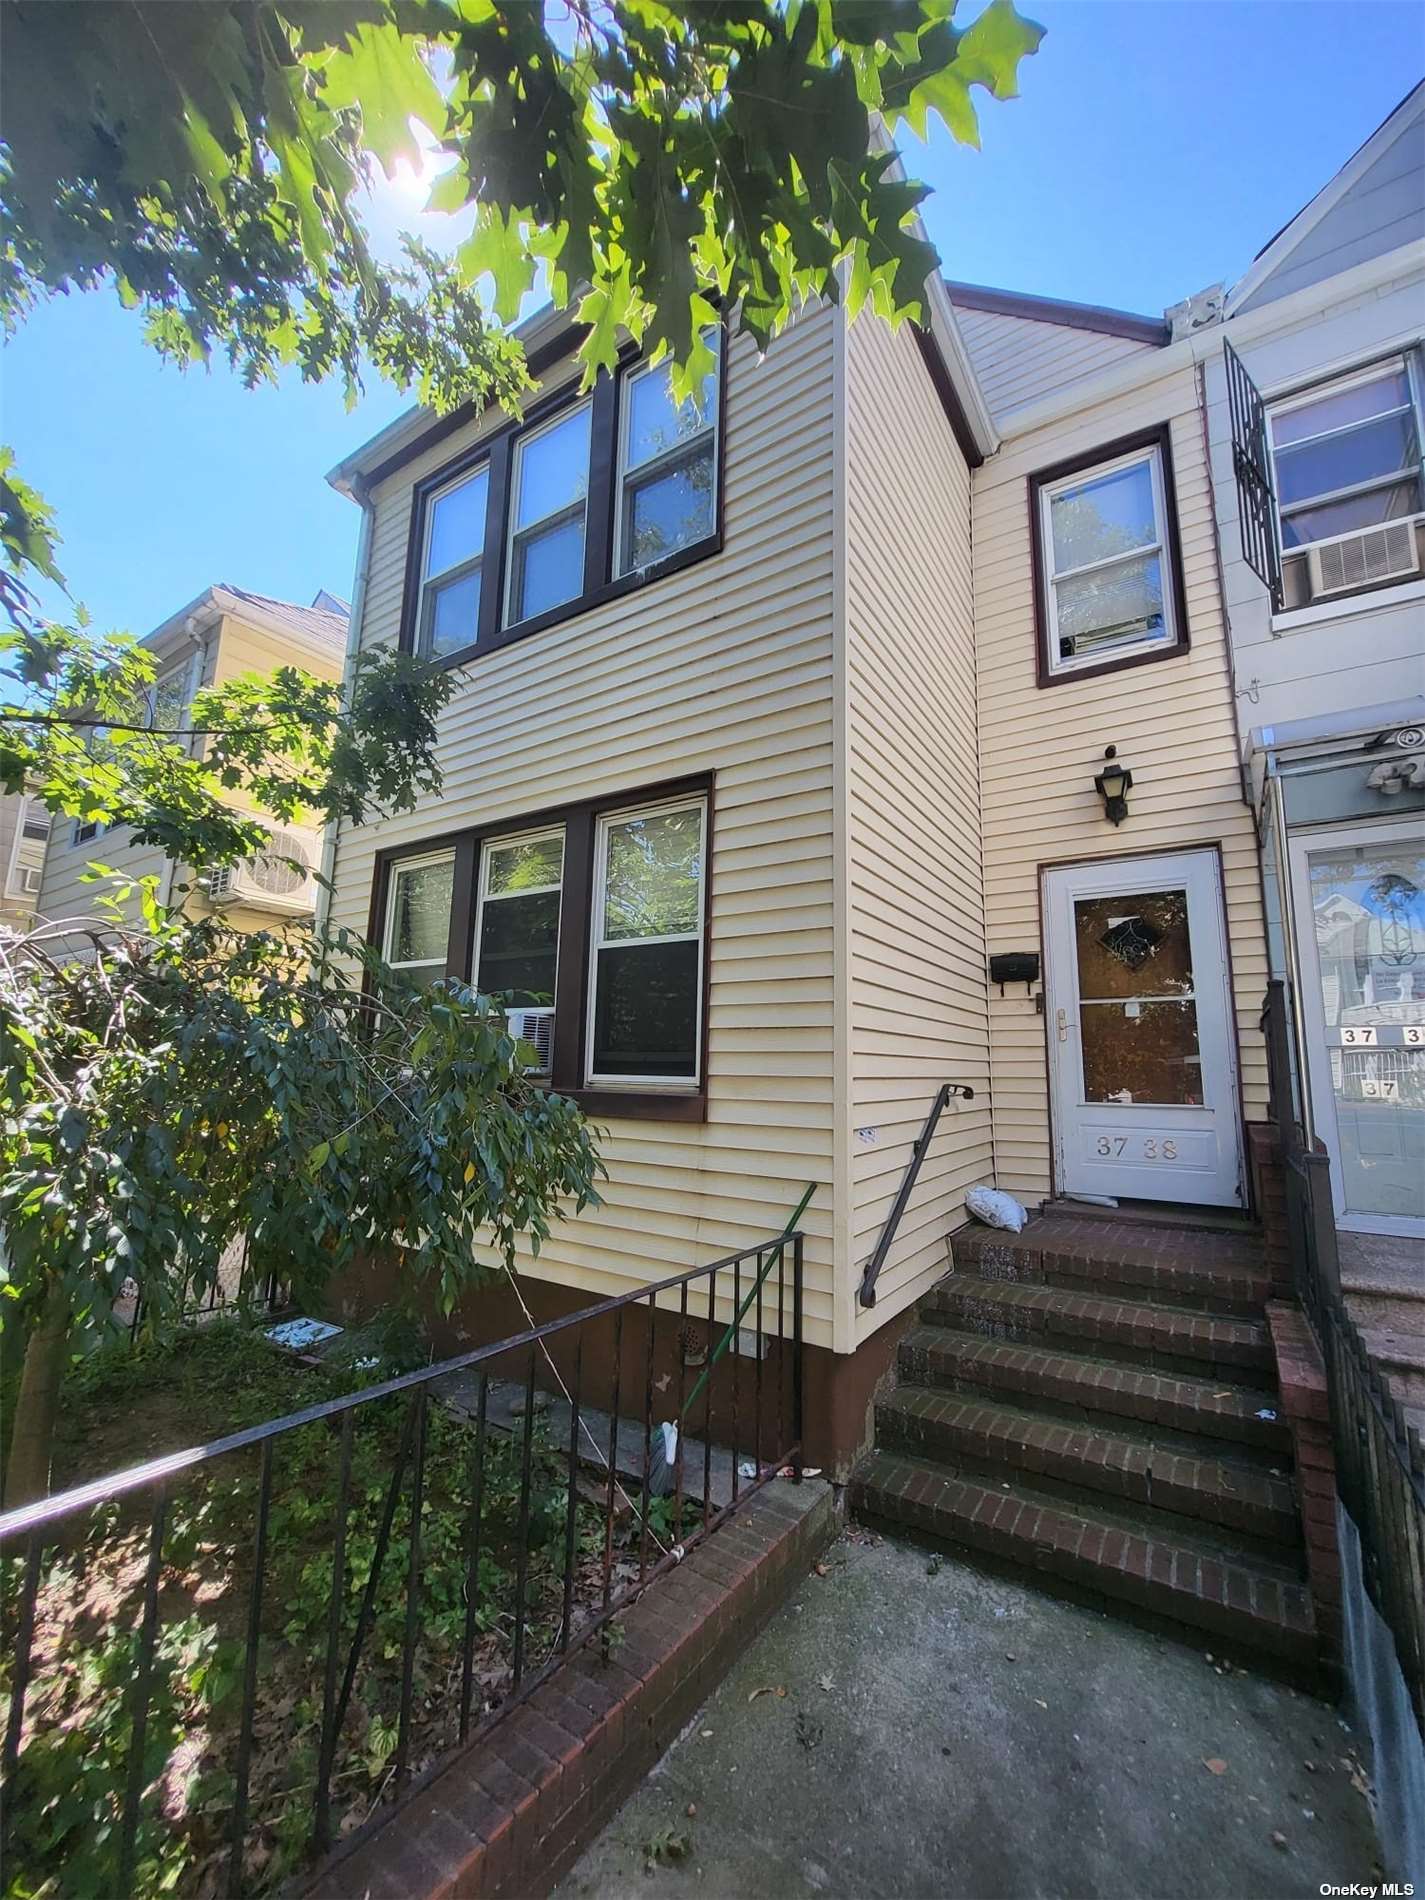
{"x": 366, "y": 1584}
{"x": 1380, "y": 1463}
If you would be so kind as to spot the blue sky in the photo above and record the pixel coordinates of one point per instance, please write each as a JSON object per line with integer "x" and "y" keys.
{"x": 1157, "y": 145}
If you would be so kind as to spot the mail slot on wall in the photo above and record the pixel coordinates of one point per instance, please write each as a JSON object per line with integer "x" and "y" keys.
{"x": 1014, "y": 966}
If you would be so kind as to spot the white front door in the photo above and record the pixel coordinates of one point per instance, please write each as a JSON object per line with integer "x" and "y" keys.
{"x": 1360, "y": 931}
{"x": 1142, "y": 1056}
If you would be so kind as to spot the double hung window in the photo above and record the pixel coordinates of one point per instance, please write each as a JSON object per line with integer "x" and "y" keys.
{"x": 452, "y": 560}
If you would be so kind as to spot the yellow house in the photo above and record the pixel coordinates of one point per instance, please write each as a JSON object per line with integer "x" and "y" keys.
{"x": 224, "y": 633}
{"x": 783, "y": 651}
{"x": 24, "y": 833}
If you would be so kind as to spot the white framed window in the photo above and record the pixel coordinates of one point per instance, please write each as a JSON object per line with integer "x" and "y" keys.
{"x": 168, "y": 699}
{"x": 34, "y": 823}
{"x": 85, "y": 830}
{"x": 452, "y": 563}
{"x": 1104, "y": 541}
{"x": 646, "y": 946}
{"x": 517, "y": 932}
{"x": 666, "y": 496}
{"x": 549, "y": 499}
{"x": 418, "y": 901}
{"x": 1346, "y": 454}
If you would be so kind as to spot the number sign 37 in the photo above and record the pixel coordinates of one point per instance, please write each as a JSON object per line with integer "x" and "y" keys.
{"x": 1152, "y": 1149}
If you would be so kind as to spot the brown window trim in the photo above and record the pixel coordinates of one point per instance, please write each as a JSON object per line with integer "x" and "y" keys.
{"x": 675, "y": 1102}
{"x": 600, "y": 583}
{"x": 1160, "y": 438}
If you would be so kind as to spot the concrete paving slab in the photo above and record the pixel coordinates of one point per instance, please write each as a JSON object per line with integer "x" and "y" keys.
{"x": 947, "y": 1735}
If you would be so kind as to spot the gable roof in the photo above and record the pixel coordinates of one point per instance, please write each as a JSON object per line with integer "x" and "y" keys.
{"x": 322, "y": 624}
{"x": 1278, "y": 250}
{"x": 1072, "y": 316}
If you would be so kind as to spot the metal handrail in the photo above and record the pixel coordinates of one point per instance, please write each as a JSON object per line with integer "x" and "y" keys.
{"x": 917, "y": 1156}
{"x": 766, "y": 1440}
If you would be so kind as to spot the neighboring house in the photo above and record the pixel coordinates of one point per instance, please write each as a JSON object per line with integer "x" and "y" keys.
{"x": 225, "y": 633}
{"x": 1318, "y": 447}
{"x": 24, "y": 832}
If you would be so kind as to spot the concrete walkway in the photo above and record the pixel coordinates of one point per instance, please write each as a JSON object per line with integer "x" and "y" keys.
{"x": 945, "y": 1735}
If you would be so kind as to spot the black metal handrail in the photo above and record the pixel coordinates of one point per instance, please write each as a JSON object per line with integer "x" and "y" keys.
{"x": 917, "y": 1156}
{"x": 1380, "y": 1465}
{"x": 762, "y": 1430}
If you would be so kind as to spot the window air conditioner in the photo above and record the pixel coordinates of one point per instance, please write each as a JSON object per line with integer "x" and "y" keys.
{"x": 1362, "y": 560}
{"x": 279, "y": 878}
{"x": 536, "y": 1027}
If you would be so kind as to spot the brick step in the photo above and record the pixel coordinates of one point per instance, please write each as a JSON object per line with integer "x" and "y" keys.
{"x": 1210, "y": 1496}
{"x": 1232, "y": 1598}
{"x": 1134, "y": 1330}
{"x": 1079, "y": 1388}
{"x": 1201, "y": 1270}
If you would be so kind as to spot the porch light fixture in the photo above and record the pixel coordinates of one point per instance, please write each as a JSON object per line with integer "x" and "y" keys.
{"x": 1113, "y": 784}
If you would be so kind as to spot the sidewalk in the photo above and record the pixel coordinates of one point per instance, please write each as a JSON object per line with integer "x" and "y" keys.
{"x": 945, "y": 1735}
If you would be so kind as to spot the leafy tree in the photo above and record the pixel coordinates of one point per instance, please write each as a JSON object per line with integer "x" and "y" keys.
{"x": 191, "y": 1086}
{"x": 79, "y": 730}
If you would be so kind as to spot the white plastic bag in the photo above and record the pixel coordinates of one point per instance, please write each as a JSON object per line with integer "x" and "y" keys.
{"x": 996, "y": 1209}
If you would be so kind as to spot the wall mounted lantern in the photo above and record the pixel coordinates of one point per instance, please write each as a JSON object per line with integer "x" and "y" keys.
{"x": 1113, "y": 784}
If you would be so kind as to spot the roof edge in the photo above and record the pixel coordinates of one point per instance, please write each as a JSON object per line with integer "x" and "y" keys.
{"x": 1071, "y": 316}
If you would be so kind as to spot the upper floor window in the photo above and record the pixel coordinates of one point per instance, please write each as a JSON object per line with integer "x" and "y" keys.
{"x": 548, "y": 516}
{"x": 591, "y": 497}
{"x": 452, "y": 555}
{"x": 1105, "y": 541}
{"x": 1347, "y": 455}
{"x": 667, "y": 480}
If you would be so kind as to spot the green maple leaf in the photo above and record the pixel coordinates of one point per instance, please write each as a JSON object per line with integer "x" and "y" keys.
{"x": 382, "y": 72}
{"x": 497, "y": 246}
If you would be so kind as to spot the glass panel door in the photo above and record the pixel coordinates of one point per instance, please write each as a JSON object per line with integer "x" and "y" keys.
{"x": 1138, "y": 1012}
{"x": 1367, "y": 910}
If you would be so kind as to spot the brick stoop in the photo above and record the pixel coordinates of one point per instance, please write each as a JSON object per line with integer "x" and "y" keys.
{"x": 512, "y": 1813}
{"x": 1097, "y": 1402}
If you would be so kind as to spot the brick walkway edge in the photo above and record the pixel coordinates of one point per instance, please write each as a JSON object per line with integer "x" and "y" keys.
{"x": 514, "y": 1811}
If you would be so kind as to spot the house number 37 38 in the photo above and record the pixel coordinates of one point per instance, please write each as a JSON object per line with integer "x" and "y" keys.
{"x": 1154, "y": 1150}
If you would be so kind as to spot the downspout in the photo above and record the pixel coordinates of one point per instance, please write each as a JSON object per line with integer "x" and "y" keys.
{"x": 361, "y": 495}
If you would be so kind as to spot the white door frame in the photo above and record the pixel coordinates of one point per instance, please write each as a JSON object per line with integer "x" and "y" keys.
{"x": 1317, "y": 1057}
{"x": 1199, "y": 873}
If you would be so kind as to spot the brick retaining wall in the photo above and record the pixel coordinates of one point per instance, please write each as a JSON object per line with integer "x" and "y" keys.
{"x": 514, "y": 1811}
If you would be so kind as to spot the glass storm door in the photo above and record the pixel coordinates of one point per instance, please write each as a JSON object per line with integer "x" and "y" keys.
{"x": 1142, "y": 1058}
{"x": 1360, "y": 912}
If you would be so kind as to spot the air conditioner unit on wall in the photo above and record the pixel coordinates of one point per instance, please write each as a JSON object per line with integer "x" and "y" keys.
{"x": 536, "y": 1027}
{"x": 1363, "y": 560}
{"x": 279, "y": 878}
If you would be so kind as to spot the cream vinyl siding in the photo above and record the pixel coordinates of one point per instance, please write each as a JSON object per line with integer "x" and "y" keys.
{"x": 916, "y": 927}
{"x": 1019, "y": 359}
{"x": 725, "y": 667}
{"x": 1173, "y": 722}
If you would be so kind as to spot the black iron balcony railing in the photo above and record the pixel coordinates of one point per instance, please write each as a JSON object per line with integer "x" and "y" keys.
{"x": 536, "y": 1448}
{"x": 1380, "y": 1464}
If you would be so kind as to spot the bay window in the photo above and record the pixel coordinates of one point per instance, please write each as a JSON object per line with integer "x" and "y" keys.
{"x": 587, "y": 925}
{"x": 1107, "y": 587}
{"x": 590, "y": 497}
